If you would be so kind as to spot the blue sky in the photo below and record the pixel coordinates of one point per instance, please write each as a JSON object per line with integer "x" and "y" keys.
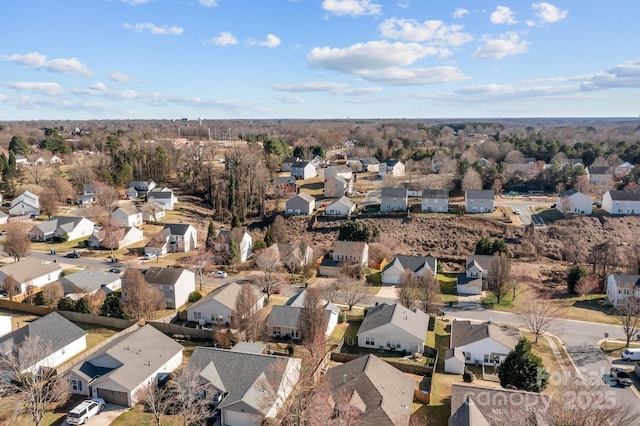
{"x": 220, "y": 59}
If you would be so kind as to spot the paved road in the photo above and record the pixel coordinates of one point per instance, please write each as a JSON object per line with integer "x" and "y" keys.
{"x": 581, "y": 342}
{"x": 525, "y": 206}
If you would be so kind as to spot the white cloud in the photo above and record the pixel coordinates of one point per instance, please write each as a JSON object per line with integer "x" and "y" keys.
{"x": 120, "y": 77}
{"x": 3, "y": 97}
{"x": 415, "y": 76}
{"x": 433, "y": 31}
{"x": 352, "y": 7}
{"x": 460, "y": 12}
{"x": 154, "y": 29}
{"x": 340, "y": 89}
{"x": 403, "y": 4}
{"x": 625, "y": 75}
{"x": 39, "y": 61}
{"x": 224, "y": 39}
{"x": 208, "y": 3}
{"x": 46, "y": 88}
{"x": 100, "y": 86}
{"x": 135, "y": 2}
{"x": 503, "y": 15}
{"x": 271, "y": 41}
{"x": 507, "y": 93}
{"x": 290, "y": 99}
{"x": 506, "y": 45}
{"x": 369, "y": 56}
{"x": 548, "y": 13}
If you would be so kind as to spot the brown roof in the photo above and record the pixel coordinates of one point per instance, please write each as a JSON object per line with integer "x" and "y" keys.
{"x": 29, "y": 269}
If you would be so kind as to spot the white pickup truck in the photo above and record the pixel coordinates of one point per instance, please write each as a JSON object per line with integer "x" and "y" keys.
{"x": 85, "y": 410}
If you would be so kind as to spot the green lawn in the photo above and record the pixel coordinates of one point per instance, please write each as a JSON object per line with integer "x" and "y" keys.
{"x": 448, "y": 281}
{"x": 96, "y": 334}
{"x": 615, "y": 348}
{"x": 136, "y": 416}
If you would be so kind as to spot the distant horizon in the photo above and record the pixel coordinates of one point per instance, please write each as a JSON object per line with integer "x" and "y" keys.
{"x": 361, "y": 59}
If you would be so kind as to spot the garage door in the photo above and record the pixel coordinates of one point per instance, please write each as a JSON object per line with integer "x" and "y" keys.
{"x": 113, "y": 397}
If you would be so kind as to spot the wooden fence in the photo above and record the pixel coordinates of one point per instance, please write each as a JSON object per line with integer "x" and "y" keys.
{"x": 172, "y": 329}
{"x": 405, "y": 368}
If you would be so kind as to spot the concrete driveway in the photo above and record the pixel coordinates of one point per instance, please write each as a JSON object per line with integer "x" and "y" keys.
{"x": 110, "y": 413}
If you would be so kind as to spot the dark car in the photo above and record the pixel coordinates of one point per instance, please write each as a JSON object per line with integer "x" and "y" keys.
{"x": 620, "y": 376}
{"x": 72, "y": 255}
{"x": 115, "y": 270}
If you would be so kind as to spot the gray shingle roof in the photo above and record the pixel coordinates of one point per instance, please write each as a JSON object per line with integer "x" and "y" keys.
{"x": 306, "y": 197}
{"x": 89, "y": 280}
{"x": 177, "y": 228}
{"x": 62, "y": 223}
{"x": 394, "y": 193}
{"x": 29, "y": 269}
{"x": 226, "y": 295}
{"x": 438, "y": 194}
{"x": 599, "y": 170}
{"x": 166, "y": 276}
{"x": 284, "y": 316}
{"x": 622, "y": 195}
{"x": 483, "y": 261}
{"x": 465, "y": 332}
{"x": 627, "y": 281}
{"x": 479, "y": 194}
{"x": 413, "y": 263}
{"x": 415, "y": 323}
{"x": 383, "y": 391}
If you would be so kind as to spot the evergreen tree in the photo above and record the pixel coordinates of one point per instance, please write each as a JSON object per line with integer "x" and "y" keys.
{"x": 235, "y": 221}
{"x": 212, "y": 233}
{"x": 82, "y": 306}
{"x": 268, "y": 237}
{"x": 19, "y": 145}
{"x": 484, "y": 246}
{"x": 575, "y": 273}
{"x": 354, "y": 231}
{"x": 523, "y": 370}
{"x": 66, "y": 304}
{"x": 234, "y": 252}
{"x": 112, "y": 306}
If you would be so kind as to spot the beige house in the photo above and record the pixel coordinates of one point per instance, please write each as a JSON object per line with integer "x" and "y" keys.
{"x": 344, "y": 253}
{"x": 31, "y": 272}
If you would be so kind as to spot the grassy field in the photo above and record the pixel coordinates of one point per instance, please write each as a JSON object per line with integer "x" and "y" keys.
{"x": 448, "y": 281}
{"x": 614, "y": 348}
{"x": 136, "y": 416}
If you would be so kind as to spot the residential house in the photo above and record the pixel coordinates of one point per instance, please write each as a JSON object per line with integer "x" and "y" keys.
{"x": 139, "y": 188}
{"x": 87, "y": 282}
{"x": 600, "y": 175}
{"x": 56, "y": 160}
{"x": 343, "y": 206}
{"x": 393, "y": 168}
{"x": 621, "y": 201}
{"x": 126, "y": 216}
{"x": 344, "y": 253}
{"x": 4, "y": 218}
{"x": 303, "y": 170}
{"x": 620, "y": 286}
{"x": 419, "y": 265}
{"x": 483, "y": 343}
{"x": 370, "y": 164}
{"x": 622, "y": 170}
{"x": 318, "y": 162}
{"x": 59, "y": 340}
{"x": 355, "y": 165}
{"x": 221, "y": 243}
{"x": 285, "y": 186}
{"x": 113, "y": 238}
{"x": 301, "y": 203}
{"x": 174, "y": 238}
{"x": 152, "y": 212}
{"x": 6, "y": 325}
{"x": 294, "y": 256}
{"x": 218, "y": 307}
{"x": 118, "y": 370}
{"x": 284, "y": 321}
{"x": 528, "y": 168}
{"x": 477, "y": 268}
{"x": 337, "y": 187}
{"x": 479, "y": 200}
{"x": 288, "y": 162}
{"x": 474, "y": 405}
{"x": 30, "y": 272}
{"x": 21, "y": 160}
{"x": 26, "y": 203}
{"x": 164, "y": 196}
{"x": 454, "y": 361}
{"x": 342, "y": 171}
{"x": 394, "y": 327}
{"x": 435, "y": 200}
{"x": 573, "y": 202}
{"x": 394, "y": 200}
{"x": 90, "y": 192}
{"x": 175, "y": 283}
{"x": 65, "y": 227}
{"x": 253, "y": 386}
{"x": 377, "y": 392}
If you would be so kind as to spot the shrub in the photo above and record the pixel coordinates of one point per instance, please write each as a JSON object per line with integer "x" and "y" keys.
{"x": 341, "y": 317}
{"x": 468, "y": 376}
{"x": 194, "y": 296}
{"x": 432, "y": 322}
{"x": 291, "y": 349}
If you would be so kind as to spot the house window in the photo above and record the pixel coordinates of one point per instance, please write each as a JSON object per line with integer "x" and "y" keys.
{"x": 467, "y": 356}
{"x": 487, "y": 359}
{"x": 197, "y": 315}
{"x": 370, "y": 341}
{"x": 76, "y": 385}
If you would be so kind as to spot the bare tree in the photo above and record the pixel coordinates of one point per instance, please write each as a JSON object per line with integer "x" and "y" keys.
{"x": 332, "y": 291}
{"x": 471, "y": 180}
{"x": 499, "y": 276}
{"x": 16, "y": 241}
{"x": 573, "y": 249}
{"x": 538, "y": 316}
{"x": 49, "y": 203}
{"x": 427, "y": 291}
{"x": 247, "y": 318}
{"x": 270, "y": 264}
{"x": 604, "y": 256}
{"x": 628, "y": 311}
{"x": 406, "y": 289}
{"x": 280, "y": 230}
{"x": 11, "y": 287}
{"x": 188, "y": 395}
{"x": 353, "y": 290}
{"x": 313, "y": 322}
{"x": 108, "y": 198}
{"x": 141, "y": 300}
{"x": 307, "y": 404}
{"x": 157, "y": 399}
{"x": 36, "y": 382}
{"x": 586, "y": 286}
{"x": 52, "y": 293}
{"x": 39, "y": 172}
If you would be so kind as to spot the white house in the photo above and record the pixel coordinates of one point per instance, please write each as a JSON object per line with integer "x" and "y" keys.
{"x": 337, "y": 187}
{"x": 394, "y": 327}
{"x": 26, "y": 203}
{"x": 343, "y": 206}
{"x": 622, "y": 170}
{"x": 115, "y": 238}
{"x": 60, "y": 226}
{"x": 152, "y": 212}
{"x": 61, "y": 338}
{"x": 127, "y": 216}
{"x": 454, "y": 361}
{"x": 6, "y": 325}
{"x": 4, "y": 218}
{"x": 174, "y": 238}
{"x": 119, "y": 369}
{"x": 175, "y": 283}
{"x": 435, "y": 200}
{"x": 370, "y": 164}
{"x": 138, "y": 188}
{"x": 483, "y": 343}
{"x": 619, "y": 287}
{"x": 342, "y": 171}
{"x": 31, "y": 272}
{"x": 253, "y": 386}
{"x": 419, "y": 265}
{"x": 391, "y": 168}
{"x": 89, "y": 193}
{"x": 164, "y": 196}
{"x": 88, "y": 282}
{"x": 621, "y": 202}
{"x": 218, "y": 307}
{"x": 394, "y": 200}
{"x": 221, "y": 243}
{"x": 303, "y": 170}
{"x": 600, "y": 175}
{"x": 479, "y": 200}
{"x": 573, "y": 202}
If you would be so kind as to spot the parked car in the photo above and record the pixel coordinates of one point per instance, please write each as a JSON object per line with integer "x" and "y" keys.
{"x": 517, "y": 211}
{"x": 631, "y": 354}
{"x": 88, "y": 408}
{"x": 620, "y": 376}
{"x": 72, "y": 255}
{"x": 149, "y": 256}
{"x": 115, "y": 270}
{"x": 220, "y": 274}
